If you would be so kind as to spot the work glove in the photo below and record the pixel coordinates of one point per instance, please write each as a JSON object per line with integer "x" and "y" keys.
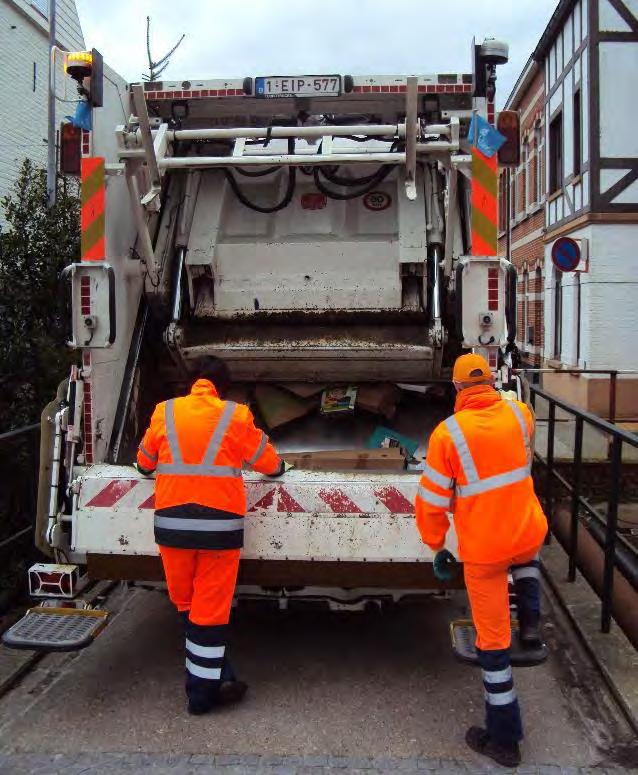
{"x": 445, "y": 565}
{"x": 283, "y": 468}
{"x": 142, "y": 471}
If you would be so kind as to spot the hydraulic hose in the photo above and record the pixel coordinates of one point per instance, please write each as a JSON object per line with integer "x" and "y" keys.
{"x": 378, "y": 176}
{"x": 285, "y": 201}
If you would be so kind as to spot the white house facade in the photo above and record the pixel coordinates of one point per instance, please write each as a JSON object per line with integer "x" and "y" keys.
{"x": 589, "y": 53}
{"x": 24, "y": 77}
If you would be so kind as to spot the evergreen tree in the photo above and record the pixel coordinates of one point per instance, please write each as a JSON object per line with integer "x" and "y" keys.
{"x": 35, "y": 246}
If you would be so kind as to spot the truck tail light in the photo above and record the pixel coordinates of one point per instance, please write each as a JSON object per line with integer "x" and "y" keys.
{"x": 70, "y": 149}
{"x": 509, "y": 125}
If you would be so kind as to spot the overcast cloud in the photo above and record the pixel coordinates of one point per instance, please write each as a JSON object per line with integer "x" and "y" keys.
{"x": 285, "y": 37}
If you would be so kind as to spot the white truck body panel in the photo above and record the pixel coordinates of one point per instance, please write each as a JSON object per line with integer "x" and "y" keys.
{"x": 315, "y": 516}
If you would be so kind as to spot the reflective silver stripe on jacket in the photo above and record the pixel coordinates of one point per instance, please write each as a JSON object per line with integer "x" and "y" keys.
{"x": 259, "y": 451}
{"x": 437, "y": 478}
{"x": 493, "y": 482}
{"x": 200, "y": 525}
{"x": 433, "y": 497}
{"x": 475, "y": 485}
{"x": 144, "y": 451}
{"x": 467, "y": 461}
{"x": 521, "y": 420}
{"x": 207, "y": 467}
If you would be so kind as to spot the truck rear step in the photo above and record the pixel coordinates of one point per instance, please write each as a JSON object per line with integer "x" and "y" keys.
{"x": 463, "y": 637}
{"x": 55, "y": 629}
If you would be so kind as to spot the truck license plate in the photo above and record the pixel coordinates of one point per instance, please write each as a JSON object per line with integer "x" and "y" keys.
{"x": 298, "y": 86}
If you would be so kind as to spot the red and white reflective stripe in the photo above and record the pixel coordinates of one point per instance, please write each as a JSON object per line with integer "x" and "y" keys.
{"x": 113, "y": 493}
{"x": 269, "y": 498}
{"x": 451, "y": 83}
{"x": 189, "y": 94}
{"x": 265, "y": 497}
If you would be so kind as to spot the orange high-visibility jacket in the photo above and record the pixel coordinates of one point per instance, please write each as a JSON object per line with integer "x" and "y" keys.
{"x": 478, "y": 468}
{"x": 198, "y": 444}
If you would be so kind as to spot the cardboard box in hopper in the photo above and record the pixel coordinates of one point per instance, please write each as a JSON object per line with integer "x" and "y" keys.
{"x": 348, "y": 460}
{"x": 278, "y": 406}
{"x": 380, "y": 398}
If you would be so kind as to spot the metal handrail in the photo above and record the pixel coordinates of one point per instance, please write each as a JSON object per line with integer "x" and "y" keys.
{"x": 603, "y": 425}
{"x": 19, "y": 431}
{"x": 613, "y": 375}
{"x": 618, "y": 554}
{"x": 7, "y": 436}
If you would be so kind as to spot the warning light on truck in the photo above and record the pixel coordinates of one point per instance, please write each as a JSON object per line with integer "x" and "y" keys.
{"x": 83, "y": 65}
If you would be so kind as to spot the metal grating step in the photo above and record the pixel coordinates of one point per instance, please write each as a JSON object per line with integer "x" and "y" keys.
{"x": 463, "y": 637}
{"x": 55, "y": 629}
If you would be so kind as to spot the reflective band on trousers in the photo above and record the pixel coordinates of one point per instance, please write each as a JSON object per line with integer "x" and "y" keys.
{"x": 260, "y": 448}
{"x": 204, "y": 525}
{"x": 497, "y": 676}
{"x": 475, "y": 485}
{"x": 433, "y": 498}
{"x": 209, "y": 652}
{"x": 207, "y": 467}
{"x": 500, "y": 698}
{"x": 211, "y": 673}
{"x": 530, "y": 572}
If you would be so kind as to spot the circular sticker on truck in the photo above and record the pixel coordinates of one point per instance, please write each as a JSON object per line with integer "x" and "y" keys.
{"x": 377, "y": 200}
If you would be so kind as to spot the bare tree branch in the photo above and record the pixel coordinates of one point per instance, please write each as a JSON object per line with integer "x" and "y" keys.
{"x": 172, "y": 51}
{"x": 148, "y": 47}
{"x": 155, "y": 69}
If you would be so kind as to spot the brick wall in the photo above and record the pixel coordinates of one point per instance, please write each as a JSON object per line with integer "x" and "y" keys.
{"x": 528, "y": 220}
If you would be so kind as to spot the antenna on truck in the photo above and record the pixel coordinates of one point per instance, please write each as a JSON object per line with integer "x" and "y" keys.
{"x": 157, "y": 68}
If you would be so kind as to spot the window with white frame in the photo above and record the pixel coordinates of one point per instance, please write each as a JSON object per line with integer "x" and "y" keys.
{"x": 525, "y": 309}
{"x": 538, "y": 136}
{"x": 525, "y": 173}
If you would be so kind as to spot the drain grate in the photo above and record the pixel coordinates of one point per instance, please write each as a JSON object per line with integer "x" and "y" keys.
{"x": 464, "y": 646}
{"x": 55, "y": 629}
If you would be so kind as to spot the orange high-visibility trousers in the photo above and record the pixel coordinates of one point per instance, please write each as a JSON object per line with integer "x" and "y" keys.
{"x": 487, "y": 589}
{"x": 201, "y": 582}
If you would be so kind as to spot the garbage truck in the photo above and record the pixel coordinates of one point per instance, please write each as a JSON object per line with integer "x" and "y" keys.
{"x": 319, "y": 235}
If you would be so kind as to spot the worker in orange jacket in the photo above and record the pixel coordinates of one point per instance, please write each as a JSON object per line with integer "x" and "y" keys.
{"x": 197, "y": 444}
{"x": 478, "y": 467}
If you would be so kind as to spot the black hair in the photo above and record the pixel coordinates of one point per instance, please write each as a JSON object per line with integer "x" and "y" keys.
{"x": 207, "y": 367}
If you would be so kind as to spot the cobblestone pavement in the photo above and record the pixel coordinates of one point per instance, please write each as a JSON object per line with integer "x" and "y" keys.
{"x": 245, "y": 764}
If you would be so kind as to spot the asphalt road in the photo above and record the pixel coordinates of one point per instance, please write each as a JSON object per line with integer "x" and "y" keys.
{"x": 359, "y": 686}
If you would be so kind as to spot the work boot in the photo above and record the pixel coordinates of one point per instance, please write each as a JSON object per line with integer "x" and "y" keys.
{"x": 530, "y": 635}
{"x": 508, "y": 755}
{"x": 229, "y": 693}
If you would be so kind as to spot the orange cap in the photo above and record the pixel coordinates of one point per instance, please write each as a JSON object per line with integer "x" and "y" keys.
{"x": 471, "y": 368}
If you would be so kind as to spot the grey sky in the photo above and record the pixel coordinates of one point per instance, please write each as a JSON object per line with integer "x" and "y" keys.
{"x": 268, "y": 37}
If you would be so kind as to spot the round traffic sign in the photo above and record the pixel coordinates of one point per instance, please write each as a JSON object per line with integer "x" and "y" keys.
{"x": 566, "y": 254}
